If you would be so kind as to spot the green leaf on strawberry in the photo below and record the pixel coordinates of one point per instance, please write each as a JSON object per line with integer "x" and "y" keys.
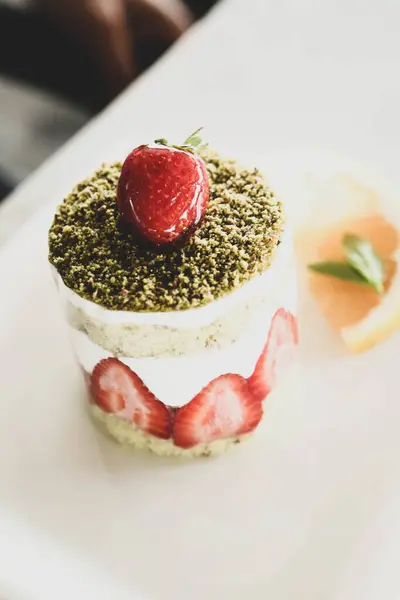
{"x": 194, "y": 143}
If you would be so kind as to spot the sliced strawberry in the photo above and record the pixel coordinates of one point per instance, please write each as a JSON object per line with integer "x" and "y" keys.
{"x": 223, "y": 409}
{"x": 277, "y": 355}
{"x": 117, "y": 389}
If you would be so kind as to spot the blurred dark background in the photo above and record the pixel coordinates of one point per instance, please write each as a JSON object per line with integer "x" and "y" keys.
{"x": 50, "y": 84}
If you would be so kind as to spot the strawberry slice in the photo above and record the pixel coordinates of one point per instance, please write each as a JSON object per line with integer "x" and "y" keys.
{"x": 117, "y": 389}
{"x": 223, "y": 409}
{"x": 277, "y": 355}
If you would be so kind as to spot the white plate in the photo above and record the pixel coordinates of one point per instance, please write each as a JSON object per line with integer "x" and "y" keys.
{"x": 276, "y": 518}
{"x": 373, "y": 572}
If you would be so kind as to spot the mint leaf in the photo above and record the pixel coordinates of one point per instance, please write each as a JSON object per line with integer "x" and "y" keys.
{"x": 363, "y": 265}
{"x": 361, "y": 255}
{"x": 339, "y": 270}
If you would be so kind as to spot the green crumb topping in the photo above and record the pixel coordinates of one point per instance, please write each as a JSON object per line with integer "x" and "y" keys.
{"x": 101, "y": 260}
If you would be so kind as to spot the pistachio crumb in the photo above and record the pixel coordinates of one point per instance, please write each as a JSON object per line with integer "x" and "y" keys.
{"x": 102, "y": 261}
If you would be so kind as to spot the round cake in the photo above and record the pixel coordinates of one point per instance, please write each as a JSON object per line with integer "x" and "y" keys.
{"x": 176, "y": 274}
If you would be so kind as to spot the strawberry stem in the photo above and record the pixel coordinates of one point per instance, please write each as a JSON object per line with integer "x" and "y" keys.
{"x": 194, "y": 143}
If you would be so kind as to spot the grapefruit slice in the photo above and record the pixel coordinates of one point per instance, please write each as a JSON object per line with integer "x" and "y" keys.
{"x": 380, "y": 322}
{"x": 361, "y": 316}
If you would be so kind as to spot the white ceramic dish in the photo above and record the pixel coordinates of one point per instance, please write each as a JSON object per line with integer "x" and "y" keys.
{"x": 373, "y": 571}
{"x": 278, "y": 517}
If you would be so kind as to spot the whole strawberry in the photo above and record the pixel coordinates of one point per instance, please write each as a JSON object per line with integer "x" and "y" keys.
{"x": 163, "y": 190}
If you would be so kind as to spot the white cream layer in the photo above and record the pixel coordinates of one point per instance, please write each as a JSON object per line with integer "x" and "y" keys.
{"x": 176, "y": 380}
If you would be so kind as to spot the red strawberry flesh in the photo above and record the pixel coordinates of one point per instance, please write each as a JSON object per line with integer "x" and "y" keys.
{"x": 223, "y": 409}
{"x": 117, "y": 389}
{"x": 163, "y": 192}
{"x": 277, "y": 354}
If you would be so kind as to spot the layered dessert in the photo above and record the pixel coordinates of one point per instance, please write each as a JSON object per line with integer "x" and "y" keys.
{"x": 176, "y": 274}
